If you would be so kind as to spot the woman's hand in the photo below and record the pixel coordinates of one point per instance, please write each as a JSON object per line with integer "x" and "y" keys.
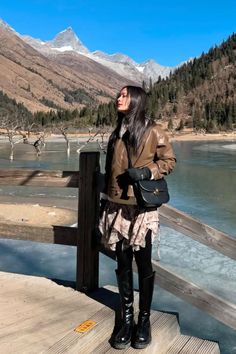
{"x": 132, "y": 175}
{"x": 138, "y": 174}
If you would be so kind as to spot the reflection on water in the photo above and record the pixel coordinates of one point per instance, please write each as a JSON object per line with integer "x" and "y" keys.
{"x": 204, "y": 183}
{"x": 53, "y": 157}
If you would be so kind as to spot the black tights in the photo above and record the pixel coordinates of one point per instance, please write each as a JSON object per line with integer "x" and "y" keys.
{"x": 143, "y": 257}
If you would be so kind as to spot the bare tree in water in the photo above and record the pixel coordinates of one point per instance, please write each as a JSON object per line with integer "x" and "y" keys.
{"x": 64, "y": 131}
{"x": 18, "y": 130}
{"x": 39, "y": 143}
{"x": 11, "y": 129}
{"x": 92, "y": 137}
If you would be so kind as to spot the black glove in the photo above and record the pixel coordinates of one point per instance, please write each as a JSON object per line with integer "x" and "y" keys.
{"x": 123, "y": 181}
{"x": 138, "y": 174}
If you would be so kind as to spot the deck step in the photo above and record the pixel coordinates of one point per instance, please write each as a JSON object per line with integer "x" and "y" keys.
{"x": 165, "y": 328}
{"x": 74, "y": 342}
{"x": 40, "y": 316}
{"x": 192, "y": 345}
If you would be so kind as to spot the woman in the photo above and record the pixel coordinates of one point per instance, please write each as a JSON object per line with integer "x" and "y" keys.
{"x": 126, "y": 228}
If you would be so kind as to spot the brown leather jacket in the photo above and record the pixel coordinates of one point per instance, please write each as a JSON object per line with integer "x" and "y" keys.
{"x": 155, "y": 152}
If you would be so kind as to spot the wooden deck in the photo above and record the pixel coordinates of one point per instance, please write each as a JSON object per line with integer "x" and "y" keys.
{"x": 39, "y": 316}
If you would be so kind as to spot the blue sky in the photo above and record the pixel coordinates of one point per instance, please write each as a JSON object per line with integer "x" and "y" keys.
{"x": 167, "y": 31}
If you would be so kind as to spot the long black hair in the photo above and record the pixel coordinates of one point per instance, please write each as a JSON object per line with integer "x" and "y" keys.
{"x": 135, "y": 118}
{"x": 136, "y": 121}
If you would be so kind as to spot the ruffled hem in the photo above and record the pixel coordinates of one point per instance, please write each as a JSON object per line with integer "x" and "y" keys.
{"x": 129, "y": 222}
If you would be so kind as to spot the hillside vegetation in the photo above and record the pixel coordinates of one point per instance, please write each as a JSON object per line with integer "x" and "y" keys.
{"x": 200, "y": 94}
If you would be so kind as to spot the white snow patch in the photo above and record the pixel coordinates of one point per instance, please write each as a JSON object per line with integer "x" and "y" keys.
{"x": 64, "y": 49}
{"x": 140, "y": 68}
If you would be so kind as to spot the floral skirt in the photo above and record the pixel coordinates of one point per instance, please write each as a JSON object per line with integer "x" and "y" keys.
{"x": 128, "y": 222}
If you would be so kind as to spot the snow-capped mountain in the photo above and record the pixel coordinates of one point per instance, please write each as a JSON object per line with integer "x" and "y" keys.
{"x": 5, "y": 26}
{"x": 148, "y": 68}
{"x": 42, "y": 47}
{"x": 153, "y": 70}
{"x": 125, "y": 66}
{"x": 68, "y": 40}
{"x": 68, "y": 45}
{"x": 120, "y": 63}
{"x": 43, "y": 78}
{"x": 116, "y": 58}
{"x": 63, "y": 42}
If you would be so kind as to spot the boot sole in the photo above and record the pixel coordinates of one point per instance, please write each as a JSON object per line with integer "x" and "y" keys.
{"x": 121, "y": 346}
{"x": 141, "y": 345}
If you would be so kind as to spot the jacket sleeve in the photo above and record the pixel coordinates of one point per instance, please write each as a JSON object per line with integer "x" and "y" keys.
{"x": 164, "y": 159}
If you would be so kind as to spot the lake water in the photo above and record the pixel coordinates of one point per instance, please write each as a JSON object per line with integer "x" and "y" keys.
{"x": 202, "y": 185}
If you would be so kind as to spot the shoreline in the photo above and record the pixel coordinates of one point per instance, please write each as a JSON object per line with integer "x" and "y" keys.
{"x": 182, "y": 136}
{"x": 36, "y": 214}
{"x": 189, "y": 136}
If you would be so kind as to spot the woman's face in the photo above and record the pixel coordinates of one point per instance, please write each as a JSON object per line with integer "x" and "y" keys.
{"x": 123, "y": 101}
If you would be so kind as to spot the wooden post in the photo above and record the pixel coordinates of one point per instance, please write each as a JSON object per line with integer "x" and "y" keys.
{"x": 87, "y": 253}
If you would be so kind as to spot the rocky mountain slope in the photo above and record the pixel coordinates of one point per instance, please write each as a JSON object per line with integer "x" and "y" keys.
{"x": 66, "y": 80}
{"x": 67, "y": 41}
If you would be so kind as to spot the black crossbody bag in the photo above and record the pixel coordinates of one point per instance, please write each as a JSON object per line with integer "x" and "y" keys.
{"x": 149, "y": 193}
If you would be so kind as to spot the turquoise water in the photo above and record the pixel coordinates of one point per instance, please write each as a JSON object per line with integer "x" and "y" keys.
{"x": 202, "y": 185}
{"x": 204, "y": 182}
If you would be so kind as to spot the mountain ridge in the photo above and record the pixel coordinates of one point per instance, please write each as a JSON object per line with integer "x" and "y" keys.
{"x": 67, "y": 40}
{"x": 30, "y": 76}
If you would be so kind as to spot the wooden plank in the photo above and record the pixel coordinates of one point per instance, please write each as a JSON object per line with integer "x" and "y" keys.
{"x": 165, "y": 328}
{"x": 87, "y": 253}
{"x": 198, "y": 231}
{"x": 208, "y": 347}
{"x": 74, "y": 342}
{"x": 44, "y": 178}
{"x": 65, "y": 235}
{"x": 186, "y": 345}
{"x": 62, "y": 235}
{"x": 192, "y": 346}
{"x": 42, "y": 314}
{"x": 21, "y": 311}
{"x": 178, "y": 344}
{"x": 219, "y": 308}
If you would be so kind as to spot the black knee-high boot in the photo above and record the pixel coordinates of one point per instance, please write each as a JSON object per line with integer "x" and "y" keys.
{"x": 143, "y": 334}
{"x": 125, "y": 284}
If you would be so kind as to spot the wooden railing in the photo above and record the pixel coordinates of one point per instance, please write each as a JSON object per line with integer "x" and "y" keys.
{"x": 89, "y": 180}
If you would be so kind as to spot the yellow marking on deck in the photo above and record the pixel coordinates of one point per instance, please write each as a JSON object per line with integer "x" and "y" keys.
{"x": 85, "y": 326}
